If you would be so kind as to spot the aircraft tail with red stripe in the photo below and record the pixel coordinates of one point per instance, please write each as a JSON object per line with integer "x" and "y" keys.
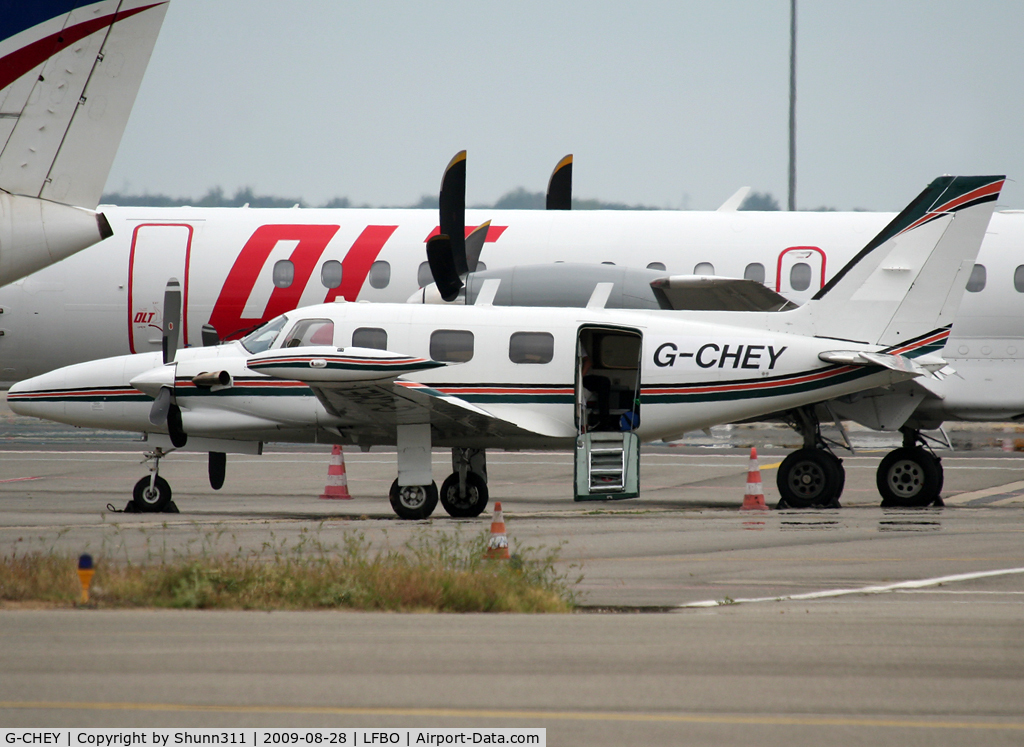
{"x": 69, "y": 73}
{"x": 908, "y": 281}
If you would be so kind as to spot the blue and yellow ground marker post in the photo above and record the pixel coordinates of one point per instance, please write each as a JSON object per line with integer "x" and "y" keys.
{"x": 85, "y": 571}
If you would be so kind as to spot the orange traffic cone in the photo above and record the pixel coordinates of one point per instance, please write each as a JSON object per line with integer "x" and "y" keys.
{"x": 337, "y": 482}
{"x": 497, "y": 543}
{"x": 754, "y": 499}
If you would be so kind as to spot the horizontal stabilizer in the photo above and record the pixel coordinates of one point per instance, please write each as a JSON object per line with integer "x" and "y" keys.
{"x": 898, "y": 363}
{"x": 326, "y": 364}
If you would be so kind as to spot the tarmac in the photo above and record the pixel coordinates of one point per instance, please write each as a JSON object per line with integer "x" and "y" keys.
{"x": 701, "y": 624}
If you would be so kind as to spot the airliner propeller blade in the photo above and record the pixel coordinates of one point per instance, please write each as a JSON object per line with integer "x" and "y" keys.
{"x": 452, "y": 203}
{"x": 560, "y": 186}
{"x": 443, "y": 266}
{"x": 172, "y": 318}
{"x": 475, "y": 245}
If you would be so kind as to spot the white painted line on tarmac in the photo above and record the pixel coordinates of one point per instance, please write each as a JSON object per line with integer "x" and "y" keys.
{"x": 882, "y": 589}
{"x": 962, "y": 498}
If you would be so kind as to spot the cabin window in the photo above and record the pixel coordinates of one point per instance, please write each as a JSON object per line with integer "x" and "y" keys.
{"x": 531, "y": 347}
{"x": 754, "y": 271}
{"x": 380, "y": 274}
{"x": 284, "y": 273}
{"x": 311, "y": 332}
{"x": 977, "y": 279}
{"x": 608, "y": 263}
{"x": 704, "y": 268}
{"x": 330, "y": 273}
{"x": 451, "y": 345}
{"x": 374, "y": 338}
{"x": 800, "y": 276}
{"x": 660, "y": 266}
{"x": 423, "y": 275}
{"x": 1018, "y": 279}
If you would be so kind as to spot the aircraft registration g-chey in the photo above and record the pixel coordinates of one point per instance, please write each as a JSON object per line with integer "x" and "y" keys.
{"x": 596, "y": 380}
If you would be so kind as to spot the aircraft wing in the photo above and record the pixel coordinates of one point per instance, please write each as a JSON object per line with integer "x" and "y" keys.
{"x": 360, "y": 387}
{"x": 381, "y": 406}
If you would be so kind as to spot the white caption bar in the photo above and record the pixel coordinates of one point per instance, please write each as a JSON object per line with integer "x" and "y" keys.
{"x": 271, "y": 737}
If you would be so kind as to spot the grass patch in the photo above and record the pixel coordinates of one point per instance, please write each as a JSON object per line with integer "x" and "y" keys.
{"x": 434, "y": 571}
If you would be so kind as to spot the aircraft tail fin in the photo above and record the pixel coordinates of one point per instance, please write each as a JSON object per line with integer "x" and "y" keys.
{"x": 69, "y": 73}
{"x": 908, "y": 281}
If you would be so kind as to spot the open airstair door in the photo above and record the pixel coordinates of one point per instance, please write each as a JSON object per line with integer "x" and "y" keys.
{"x": 607, "y": 413}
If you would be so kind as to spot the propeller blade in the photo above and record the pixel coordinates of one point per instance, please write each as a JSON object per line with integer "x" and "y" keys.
{"x": 161, "y": 406}
{"x": 217, "y": 465}
{"x": 174, "y": 427}
{"x": 172, "y": 318}
{"x": 210, "y": 336}
{"x": 560, "y": 186}
{"x": 475, "y": 245}
{"x": 442, "y": 267}
{"x": 452, "y": 202}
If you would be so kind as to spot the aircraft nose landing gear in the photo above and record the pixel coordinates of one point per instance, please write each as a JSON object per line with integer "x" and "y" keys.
{"x": 152, "y": 494}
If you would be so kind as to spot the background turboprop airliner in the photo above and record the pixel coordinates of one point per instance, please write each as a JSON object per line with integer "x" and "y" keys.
{"x": 240, "y": 267}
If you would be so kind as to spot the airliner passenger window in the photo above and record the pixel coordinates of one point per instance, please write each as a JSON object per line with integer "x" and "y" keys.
{"x": 330, "y": 273}
{"x": 704, "y": 268}
{"x": 531, "y": 347}
{"x": 423, "y": 276}
{"x": 380, "y": 274}
{"x": 754, "y": 271}
{"x": 310, "y": 332}
{"x": 1018, "y": 279}
{"x": 370, "y": 337}
{"x": 284, "y": 273}
{"x": 451, "y": 345}
{"x": 656, "y": 266}
{"x": 800, "y": 276}
{"x": 977, "y": 279}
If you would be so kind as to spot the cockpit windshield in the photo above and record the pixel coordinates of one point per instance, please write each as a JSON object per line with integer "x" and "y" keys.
{"x": 264, "y": 336}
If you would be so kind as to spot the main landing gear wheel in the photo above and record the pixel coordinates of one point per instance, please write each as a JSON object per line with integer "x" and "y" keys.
{"x": 151, "y": 498}
{"x": 413, "y": 501}
{"x": 468, "y": 506}
{"x": 910, "y": 476}
{"x": 811, "y": 477}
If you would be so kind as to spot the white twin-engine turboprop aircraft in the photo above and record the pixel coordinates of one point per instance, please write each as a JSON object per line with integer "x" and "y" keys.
{"x": 594, "y": 379}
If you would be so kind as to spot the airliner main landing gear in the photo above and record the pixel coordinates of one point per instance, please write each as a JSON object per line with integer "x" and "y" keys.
{"x": 813, "y": 475}
{"x": 152, "y": 494}
{"x": 911, "y": 475}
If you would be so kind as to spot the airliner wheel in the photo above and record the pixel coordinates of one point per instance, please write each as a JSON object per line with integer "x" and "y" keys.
{"x": 151, "y": 498}
{"x": 909, "y": 477}
{"x": 413, "y": 501}
{"x": 475, "y": 500}
{"x": 810, "y": 477}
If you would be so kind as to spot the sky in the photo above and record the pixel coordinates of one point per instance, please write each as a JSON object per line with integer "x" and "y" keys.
{"x": 672, "y": 104}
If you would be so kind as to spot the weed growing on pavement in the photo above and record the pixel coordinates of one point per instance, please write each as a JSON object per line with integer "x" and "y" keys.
{"x": 433, "y": 571}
